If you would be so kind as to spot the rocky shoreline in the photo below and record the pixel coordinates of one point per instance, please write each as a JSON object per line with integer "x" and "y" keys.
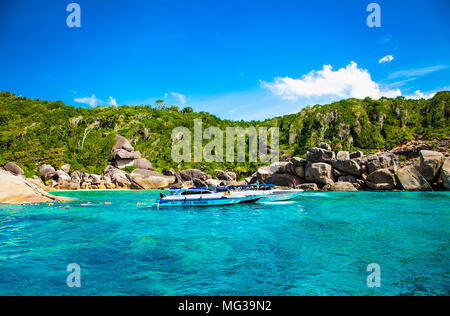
{"x": 422, "y": 169}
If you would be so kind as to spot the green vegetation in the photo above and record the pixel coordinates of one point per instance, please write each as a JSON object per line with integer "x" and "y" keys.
{"x": 34, "y": 132}
{"x": 130, "y": 169}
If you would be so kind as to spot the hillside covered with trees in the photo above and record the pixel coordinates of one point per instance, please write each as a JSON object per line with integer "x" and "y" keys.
{"x": 33, "y": 132}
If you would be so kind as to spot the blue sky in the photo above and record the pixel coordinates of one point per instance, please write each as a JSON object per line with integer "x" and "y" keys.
{"x": 236, "y": 59}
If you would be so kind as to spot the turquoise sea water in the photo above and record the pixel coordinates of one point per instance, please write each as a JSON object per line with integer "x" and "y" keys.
{"x": 318, "y": 245}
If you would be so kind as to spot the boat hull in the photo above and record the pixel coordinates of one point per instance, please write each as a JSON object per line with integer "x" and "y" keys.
{"x": 279, "y": 196}
{"x": 199, "y": 202}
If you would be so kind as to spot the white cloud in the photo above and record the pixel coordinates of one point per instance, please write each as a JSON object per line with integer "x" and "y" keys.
{"x": 112, "y": 101}
{"x": 420, "y": 95}
{"x": 92, "y": 101}
{"x": 348, "y": 82}
{"x": 416, "y": 72}
{"x": 180, "y": 97}
{"x": 386, "y": 59}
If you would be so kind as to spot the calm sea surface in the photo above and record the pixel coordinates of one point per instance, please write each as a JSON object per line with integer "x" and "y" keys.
{"x": 318, "y": 245}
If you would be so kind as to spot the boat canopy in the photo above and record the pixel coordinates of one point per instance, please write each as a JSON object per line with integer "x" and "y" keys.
{"x": 248, "y": 186}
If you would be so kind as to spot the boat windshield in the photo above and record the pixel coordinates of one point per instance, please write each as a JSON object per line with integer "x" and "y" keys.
{"x": 191, "y": 192}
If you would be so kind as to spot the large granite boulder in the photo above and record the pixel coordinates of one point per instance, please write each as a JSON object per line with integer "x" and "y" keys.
{"x": 340, "y": 186}
{"x": 299, "y": 171}
{"x": 148, "y": 179}
{"x": 285, "y": 158}
{"x": 94, "y": 179}
{"x": 192, "y": 174}
{"x": 319, "y": 173}
{"x": 298, "y": 162}
{"x": 343, "y": 155}
{"x": 283, "y": 180}
{"x": 308, "y": 187}
{"x": 119, "y": 177}
{"x": 382, "y": 179}
{"x": 445, "y": 173}
{"x": 290, "y": 168}
{"x": 38, "y": 181}
{"x": 76, "y": 176}
{"x": 430, "y": 164}
{"x": 124, "y": 155}
{"x": 108, "y": 182}
{"x": 320, "y": 155}
{"x": 13, "y": 168}
{"x": 47, "y": 171}
{"x": 225, "y": 175}
{"x": 325, "y": 146}
{"x": 348, "y": 167}
{"x": 411, "y": 179}
{"x": 412, "y": 150}
{"x": 143, "y": 163}
{"x": 214, "y": 183}
{"x": 347, "y": 178}
{"x": 66, "y": 168}
{"x": 15, "y": 189}
{"x": 123, "y": 143}
{"x": 278, "y": 167}
{"x": 263, "y": 173}
{"x": 380, "y": 161}
{"x": 62, "y": 177}
{"x": 356, "y": 154}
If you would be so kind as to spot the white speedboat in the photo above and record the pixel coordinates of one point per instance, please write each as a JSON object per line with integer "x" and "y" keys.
{"x": 205, "y": 197}
{"x": 270, "y": 192}
{"x": 283, "y": 195}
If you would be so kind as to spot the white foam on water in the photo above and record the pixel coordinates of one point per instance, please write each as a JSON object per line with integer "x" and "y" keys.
{"x": 277, "y": 203}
